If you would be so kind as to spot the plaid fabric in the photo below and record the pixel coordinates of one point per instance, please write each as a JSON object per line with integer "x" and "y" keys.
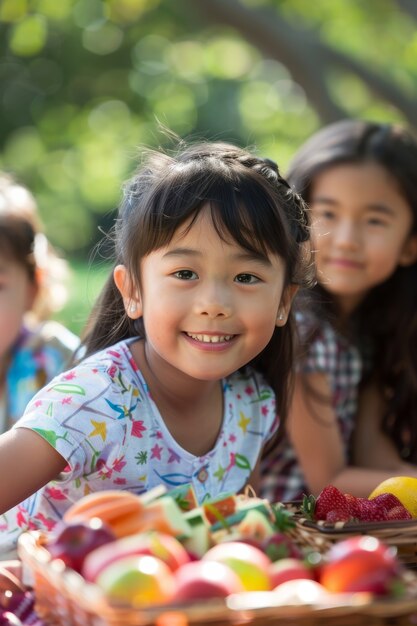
{"x": 343, "y": 364}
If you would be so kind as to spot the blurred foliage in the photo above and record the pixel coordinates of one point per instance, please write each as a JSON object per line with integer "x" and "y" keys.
{"x": 83, "y": 286}
{"x": 84, "y": 83}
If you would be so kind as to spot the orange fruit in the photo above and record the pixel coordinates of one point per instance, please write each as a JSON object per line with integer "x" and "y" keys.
{"x": 404, "y": 487}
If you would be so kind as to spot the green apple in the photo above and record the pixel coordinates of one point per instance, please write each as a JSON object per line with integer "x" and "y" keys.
{"x": 137, "y": 581}
{"x": 249, "y": 562}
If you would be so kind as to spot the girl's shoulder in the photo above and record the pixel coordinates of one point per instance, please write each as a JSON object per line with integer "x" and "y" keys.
{"x": 114, "y": 358}
{"x": 108, "y": 374}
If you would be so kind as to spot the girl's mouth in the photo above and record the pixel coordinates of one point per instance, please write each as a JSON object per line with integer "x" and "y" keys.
{"x": 203, "y": 338}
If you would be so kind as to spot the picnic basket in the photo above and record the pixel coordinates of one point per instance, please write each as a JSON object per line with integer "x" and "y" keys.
{"x": 63, "y": 598}
{"x": 322, "y": 535}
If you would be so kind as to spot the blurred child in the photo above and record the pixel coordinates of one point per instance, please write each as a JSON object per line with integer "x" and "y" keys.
{"x": 358, "y": 326}
{"x": 32, "y": 349}
{"x": 190, "y": 350}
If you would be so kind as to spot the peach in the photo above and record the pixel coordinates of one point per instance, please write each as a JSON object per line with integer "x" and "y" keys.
{"x": 360, "y": 564}
{"x": 165, "y": 547}
{"x": 249, "y": 562}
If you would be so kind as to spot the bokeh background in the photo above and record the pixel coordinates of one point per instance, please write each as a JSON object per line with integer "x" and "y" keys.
{"x": 85, "y": 83}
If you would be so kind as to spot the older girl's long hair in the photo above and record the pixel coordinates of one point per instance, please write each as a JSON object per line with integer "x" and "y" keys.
{"x": 388, "y": 315}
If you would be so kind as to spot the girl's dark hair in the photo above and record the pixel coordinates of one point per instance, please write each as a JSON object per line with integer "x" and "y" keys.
{"x": 23, "y": 241}
{"x": 19, "y": 224}
{"x": 249, "y": 202}
{"x": 388, "y": 315}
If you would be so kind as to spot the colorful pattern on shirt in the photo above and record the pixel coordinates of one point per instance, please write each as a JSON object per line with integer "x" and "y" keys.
{"x": 343, "y": 364}
{"x": 101, "y": 418}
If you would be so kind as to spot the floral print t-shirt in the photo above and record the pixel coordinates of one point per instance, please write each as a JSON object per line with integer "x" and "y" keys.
{"x": 101, "y": 418}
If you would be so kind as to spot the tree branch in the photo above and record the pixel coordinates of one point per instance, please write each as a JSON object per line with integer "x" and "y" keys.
{"x": 277, "y": 40}
{"x": 305, "y": 56}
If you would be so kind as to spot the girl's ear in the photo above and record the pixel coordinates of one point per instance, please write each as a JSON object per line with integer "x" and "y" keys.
{"x": 409, "y": 253}
{"x": 285, "y": 305}
{"x": 130, "y": 294}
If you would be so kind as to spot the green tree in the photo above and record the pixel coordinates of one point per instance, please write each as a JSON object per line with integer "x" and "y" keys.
{"x": 83, "y": 83}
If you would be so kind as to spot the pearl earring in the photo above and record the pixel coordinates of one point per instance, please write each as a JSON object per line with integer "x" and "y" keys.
{"x": 132, "y": 308}
{"x": 280, "y": 317}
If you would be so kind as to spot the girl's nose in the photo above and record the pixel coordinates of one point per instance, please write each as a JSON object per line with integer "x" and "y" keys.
{"x": 214, "y": 302}
{"x": 346, "y": 234}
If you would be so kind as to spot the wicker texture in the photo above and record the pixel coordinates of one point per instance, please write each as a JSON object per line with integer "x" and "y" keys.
{"x": 63, "y": 598}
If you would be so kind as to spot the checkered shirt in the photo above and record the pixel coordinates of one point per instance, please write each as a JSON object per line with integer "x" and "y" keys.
{"x": 343, "y": 364}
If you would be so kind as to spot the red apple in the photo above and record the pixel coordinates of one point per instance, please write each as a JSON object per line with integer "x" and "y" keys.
{"x": 73, "y": 541}
{"x": 289, "y": 569}
{"x": 249, "y": 563}
{"x": 200, "y": 580}
{"x": 165, "y": 547}
{"x": 360, "y": 564}
{"x": 9, "y": 619}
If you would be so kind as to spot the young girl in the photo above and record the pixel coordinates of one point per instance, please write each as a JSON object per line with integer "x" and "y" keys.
{"x": 190, "y": 350}
{"x": 32, "y": 350}
{"x": 360, "y": 326}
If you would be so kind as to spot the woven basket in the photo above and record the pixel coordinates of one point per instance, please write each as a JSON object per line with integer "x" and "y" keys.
{"x": 63, "y": 598}
{"x": 322, "y": 535}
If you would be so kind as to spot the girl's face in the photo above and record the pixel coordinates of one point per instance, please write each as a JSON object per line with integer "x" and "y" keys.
{"x": 209, "y": 307}
{"x": 17, "y": 294}
{"x": 360, "y": 230}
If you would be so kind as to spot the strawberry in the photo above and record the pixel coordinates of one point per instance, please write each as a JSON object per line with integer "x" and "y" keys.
{"x": 371, "y": 511}
{"x": 388, "y": 500}
{"x": 337, "y": 515}
{"x": 330, "y": 499}
{"x": 353, "y": 504}
{"x": 399, "y": 512}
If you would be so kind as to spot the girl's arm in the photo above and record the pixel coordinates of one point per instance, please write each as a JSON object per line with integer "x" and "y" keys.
{"x": 27, "y": 463}
{"x": 371, "y": 447}
{"x": 314, "y": 431}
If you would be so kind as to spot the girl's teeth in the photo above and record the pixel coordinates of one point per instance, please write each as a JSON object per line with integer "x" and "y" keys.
{"x": 210, "y": 338}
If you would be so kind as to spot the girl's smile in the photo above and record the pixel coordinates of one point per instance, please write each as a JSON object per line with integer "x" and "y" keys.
{"x": 210, "y": 341}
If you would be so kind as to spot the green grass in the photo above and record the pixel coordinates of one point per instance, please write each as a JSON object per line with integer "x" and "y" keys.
{"x": 83, "y": 288}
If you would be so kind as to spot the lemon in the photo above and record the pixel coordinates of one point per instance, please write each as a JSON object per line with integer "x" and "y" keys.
{"x": 404, "y": 487}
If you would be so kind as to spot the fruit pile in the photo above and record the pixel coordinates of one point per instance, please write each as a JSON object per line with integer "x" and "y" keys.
{"x": 164, "y": 548}
{"x": 385, "y": 503}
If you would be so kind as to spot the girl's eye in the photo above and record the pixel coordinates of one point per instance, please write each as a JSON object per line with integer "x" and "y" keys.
{"x": 326, "y": 215}
{"x": 186, "y": 275}
{"x": 246, "y": 279}
{"x": 375, "y": 221}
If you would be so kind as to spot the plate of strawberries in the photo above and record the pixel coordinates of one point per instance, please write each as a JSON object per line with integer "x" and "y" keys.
{"x": 333, "y": 515}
